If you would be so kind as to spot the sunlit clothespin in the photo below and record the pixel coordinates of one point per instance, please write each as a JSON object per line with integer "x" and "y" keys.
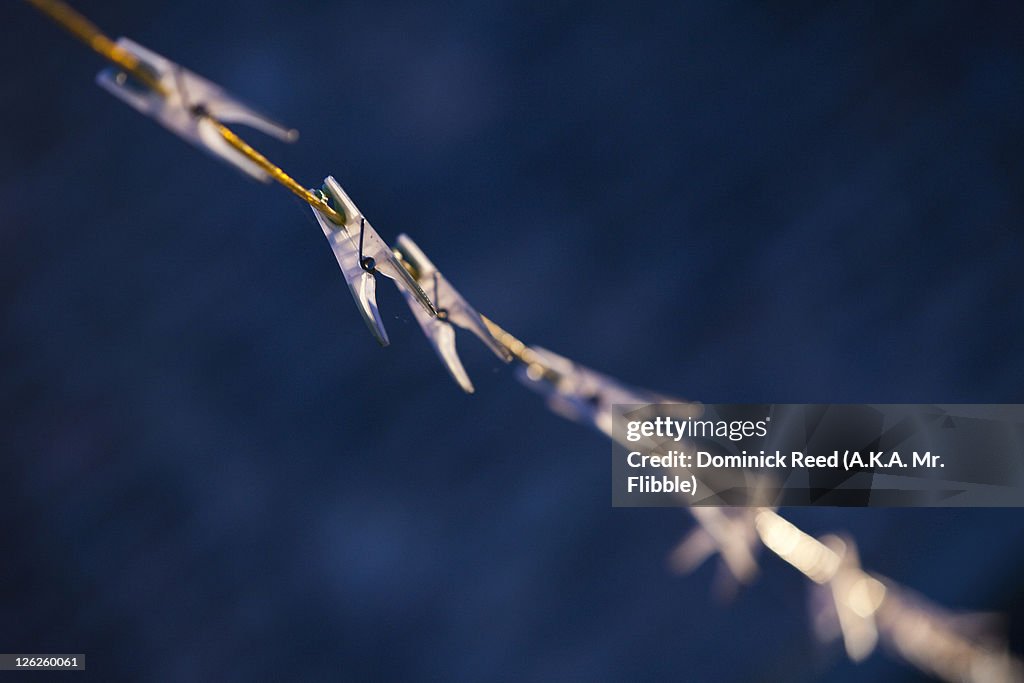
{"x": 451, "y": 309}
{"x": 362, "y": 253}
{"x": 730, "y": 533}
{"x": 187, "y": 104}
{"x": 855, "y": 598}
{"x": 961, "y": 647}
{"x": 580, "y": 394}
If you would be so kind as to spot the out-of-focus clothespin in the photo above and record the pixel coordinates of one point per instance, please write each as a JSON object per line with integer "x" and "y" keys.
{"x": 362, "y": 253}
{"x": 451, "y": 308}
{"x": 186, "y": 105}
{"x": 729, "y": 532}
{"x": 963, "y": 647}
{"x": 855, "y": 598}
{"x": 580, "y": 394}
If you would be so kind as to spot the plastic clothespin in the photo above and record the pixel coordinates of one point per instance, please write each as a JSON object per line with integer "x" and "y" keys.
{"x": 181, "y": 110}
{"x": 362, "y": 253}
{"x": 853, "y": 598}
{"x": 452, "y": 309}
{"x": 964, "y": 646}
{"x": 729, "y": 532}
{"x": 580, "y": 394}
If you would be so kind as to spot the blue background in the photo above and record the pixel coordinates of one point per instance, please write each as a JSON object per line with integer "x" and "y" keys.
{"x": 210, "y": 471}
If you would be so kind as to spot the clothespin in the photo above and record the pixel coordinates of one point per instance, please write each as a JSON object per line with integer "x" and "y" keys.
{"x": 362, "y": 253}
{"x": 855, "y": 598}
{"x": 951, "y": 646}
{"x": 580, "y": 394}
{"x": 451, "y": 309}
{"x": 729, "y": 532}
{"x": 187, "y": 105}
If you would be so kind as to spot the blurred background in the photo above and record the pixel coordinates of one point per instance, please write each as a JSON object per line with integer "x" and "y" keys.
{"x": 209, "y": 469}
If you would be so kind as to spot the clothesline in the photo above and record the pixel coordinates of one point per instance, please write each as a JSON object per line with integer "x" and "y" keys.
{"x": 861, "y": 607}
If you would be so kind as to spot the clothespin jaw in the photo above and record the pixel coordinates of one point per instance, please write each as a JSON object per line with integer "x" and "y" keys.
{"x": 362, "y": 253}
{"x": 188, "y": 102}
{"x": 452, "y": 309}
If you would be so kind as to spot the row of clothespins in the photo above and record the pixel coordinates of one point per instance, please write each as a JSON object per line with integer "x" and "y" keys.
{"x": 192, "y": 107}
{"x": 850, "y": 602}
{"x": 195, "y": 109}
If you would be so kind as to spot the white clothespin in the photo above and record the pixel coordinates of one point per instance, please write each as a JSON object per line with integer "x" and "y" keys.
{"x": 951, "y": 646}
{"x": 184, "y": 107}
{"x": 362, "y": 253}
{"x": 855, "y": 598}
{"x": 451, "y": 309}
{"x": 580, "y": 394}
{"x": 729, "y": 532}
